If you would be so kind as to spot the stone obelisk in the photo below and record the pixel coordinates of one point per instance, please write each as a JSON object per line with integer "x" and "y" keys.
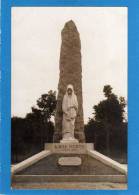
{"x": 70, "y": 73}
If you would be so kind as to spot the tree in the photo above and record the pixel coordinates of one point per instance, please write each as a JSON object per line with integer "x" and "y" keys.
{"x": 110, "y": 112}
{"x": 42, "y": 113}
{"x": 107, "y": 91}
{"x": 107, "y": 121}
{"x": 17, "y": 134}
{"x": 94, "y": 133}
{"x": 46, "y": 105}
{"x": 35, "y": 129}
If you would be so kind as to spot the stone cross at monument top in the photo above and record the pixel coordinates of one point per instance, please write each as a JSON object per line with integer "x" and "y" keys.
{"x": 70, "y": 73}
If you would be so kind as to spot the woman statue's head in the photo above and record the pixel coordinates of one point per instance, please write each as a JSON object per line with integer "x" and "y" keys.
{"x": 69, "y": 89}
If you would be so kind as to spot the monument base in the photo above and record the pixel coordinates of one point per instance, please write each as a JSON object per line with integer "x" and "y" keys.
{"x": 60, "y": 162}
{"x": 69, "y": 148}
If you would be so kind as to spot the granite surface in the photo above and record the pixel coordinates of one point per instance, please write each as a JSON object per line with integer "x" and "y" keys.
{"x": 70, "y": 73}
{"x": 49, "y": 166}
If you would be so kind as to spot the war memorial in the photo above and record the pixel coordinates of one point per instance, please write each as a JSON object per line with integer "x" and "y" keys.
{"x": 69, "y": 158}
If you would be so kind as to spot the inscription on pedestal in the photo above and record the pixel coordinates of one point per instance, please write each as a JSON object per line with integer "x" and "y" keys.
{"x": 69, "y": 148}
{"x": 69, "y": 161}
{"x": 72, "y": 148}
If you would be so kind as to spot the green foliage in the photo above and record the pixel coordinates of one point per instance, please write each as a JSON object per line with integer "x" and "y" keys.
{"x": 30, "y": 133}
{"x": 111, "y": 110}
{"x": 107, "y": 128}
{"x": 46, "y": 105}
{"x": 107, "y": 91}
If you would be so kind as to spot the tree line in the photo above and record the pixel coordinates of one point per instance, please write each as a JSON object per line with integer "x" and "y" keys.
{"x": 107, "y": 128}
{"x": 29, "y": 134}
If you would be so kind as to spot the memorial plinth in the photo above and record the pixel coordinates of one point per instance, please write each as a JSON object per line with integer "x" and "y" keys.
{"x": 72, "y": 149}
{"x": 69, "y": 148}
{"x": 68, "y": 163}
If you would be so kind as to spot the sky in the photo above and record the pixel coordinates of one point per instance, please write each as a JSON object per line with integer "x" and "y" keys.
{"x": 36, "y": 42}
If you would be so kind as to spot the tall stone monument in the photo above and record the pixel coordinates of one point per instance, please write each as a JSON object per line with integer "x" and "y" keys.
{"x": 70, "y": 73}
{"x": 67, "y": 160}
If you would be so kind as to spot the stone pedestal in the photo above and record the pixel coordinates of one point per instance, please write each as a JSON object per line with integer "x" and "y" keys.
{"x": 69, "y": 148}
{"x": 71, "y": 141}
{"x": 70, "y": 162}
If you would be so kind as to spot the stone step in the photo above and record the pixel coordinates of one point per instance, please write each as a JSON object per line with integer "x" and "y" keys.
{"x": 68, "y": 178}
